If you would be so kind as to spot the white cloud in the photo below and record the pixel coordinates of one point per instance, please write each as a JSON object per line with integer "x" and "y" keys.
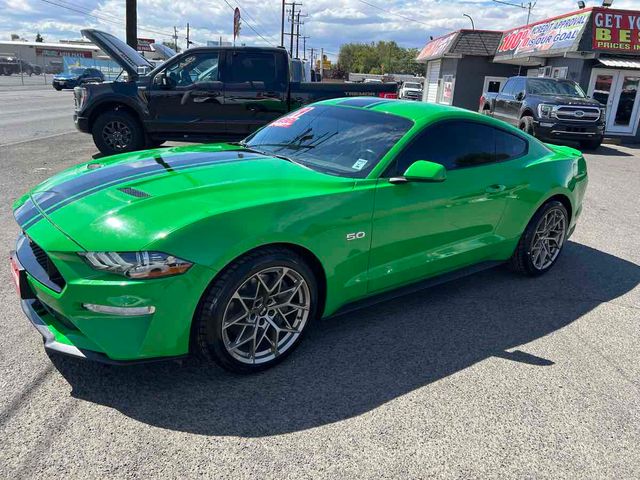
{"x": 330, "y": 22}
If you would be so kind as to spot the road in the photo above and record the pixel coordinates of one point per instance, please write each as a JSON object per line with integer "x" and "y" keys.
{"x": 490, "y": 376}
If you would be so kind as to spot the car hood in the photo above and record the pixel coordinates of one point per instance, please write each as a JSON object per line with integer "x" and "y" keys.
{"x": 564, "y": 100}
{"x": 127, "y": 201}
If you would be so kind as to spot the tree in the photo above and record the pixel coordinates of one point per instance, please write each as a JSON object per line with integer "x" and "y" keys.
{"x": 39, "y": 38}
{"x": 381, "y": 57}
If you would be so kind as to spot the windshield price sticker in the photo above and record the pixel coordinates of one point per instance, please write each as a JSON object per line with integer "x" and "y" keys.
{"x": 289, "y": 120}
{"x": 359, "y": 165}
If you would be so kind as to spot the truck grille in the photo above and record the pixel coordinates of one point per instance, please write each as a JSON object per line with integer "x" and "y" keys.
{"x": 577, "y": 113}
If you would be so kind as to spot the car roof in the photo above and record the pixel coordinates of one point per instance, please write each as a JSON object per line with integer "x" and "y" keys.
{"x": 415, "y": 111}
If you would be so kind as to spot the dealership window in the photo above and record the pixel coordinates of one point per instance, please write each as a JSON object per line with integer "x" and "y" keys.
{"x": 559, "y": 72}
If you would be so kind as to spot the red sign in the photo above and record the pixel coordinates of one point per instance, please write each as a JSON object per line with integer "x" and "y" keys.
{"x": 290, "y": 119}
{"x": 436, "y": 47}
{"x": 616, "y": 30}
{"x": 144, "y": 44}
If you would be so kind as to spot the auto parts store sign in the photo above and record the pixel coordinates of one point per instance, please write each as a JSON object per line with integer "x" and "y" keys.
{"x": 559, "y": 34}
{"x": 617, "y": 30}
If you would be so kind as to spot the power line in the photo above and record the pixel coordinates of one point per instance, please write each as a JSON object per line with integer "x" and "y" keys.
{"x": 393, "y": 13}
{"x": 101, "y": 18}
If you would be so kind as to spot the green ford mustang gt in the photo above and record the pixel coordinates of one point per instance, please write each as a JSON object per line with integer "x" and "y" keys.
{"x": 232, "y": 250}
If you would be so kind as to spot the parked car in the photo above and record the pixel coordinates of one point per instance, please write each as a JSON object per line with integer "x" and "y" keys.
{"x": 201, "y": 94}
{"x": 548, "y": 108}
{"x": 411, "y": 91}
{"x": 12, "y": 65}
{"x": 230, "y": 251}
{"x": 77, "y": 76}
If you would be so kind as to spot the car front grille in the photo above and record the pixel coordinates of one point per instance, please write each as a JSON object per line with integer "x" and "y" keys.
{"x": 577, "y": 113}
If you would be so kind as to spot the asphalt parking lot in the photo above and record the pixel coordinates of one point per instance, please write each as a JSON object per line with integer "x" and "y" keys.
{"x": 490, "y": 376}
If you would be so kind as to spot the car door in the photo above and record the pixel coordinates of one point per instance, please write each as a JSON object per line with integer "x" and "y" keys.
{"x": 255, "y": 89}
{"x": 187, "y": 96}
{"x": 515, "y": 102}
{"x": 424, "y": 229}
{"x": 505, "y": 96}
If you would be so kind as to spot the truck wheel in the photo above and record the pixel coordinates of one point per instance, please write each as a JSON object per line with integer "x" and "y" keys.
{"x": 526, "y": 125}
{"x": 117, "y": 132}
{"x": 257, "y": 312}
{"x": 591, "y": 144}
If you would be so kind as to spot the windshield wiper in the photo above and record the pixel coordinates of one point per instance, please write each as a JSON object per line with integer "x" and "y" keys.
{"x": 261, "y": 152}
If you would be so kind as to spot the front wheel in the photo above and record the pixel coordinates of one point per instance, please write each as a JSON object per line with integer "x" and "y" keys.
{"x": 542, "y": 240}
{"x": 117, "y": 131}
{"x": 526, "y": 125}
{"x": 257, "y": 312}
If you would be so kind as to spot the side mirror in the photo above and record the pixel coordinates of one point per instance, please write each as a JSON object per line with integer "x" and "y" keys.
{"x": 520, "y": 96}
{"x": 161, "y": 80}
{"x": 422, "y": 171}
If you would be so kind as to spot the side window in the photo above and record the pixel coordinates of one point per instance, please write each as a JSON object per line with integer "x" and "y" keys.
{"x": 246, "y": 67}
{"x": 518, "y": 86}
{"x": 508, "y": 87}
{"x": 193, "y": 69}
{"x": 509, "y": 146}
{"x": 455, "y": 144}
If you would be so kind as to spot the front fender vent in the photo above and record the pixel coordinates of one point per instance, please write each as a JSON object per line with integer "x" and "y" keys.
{"x": 134, "y": 192}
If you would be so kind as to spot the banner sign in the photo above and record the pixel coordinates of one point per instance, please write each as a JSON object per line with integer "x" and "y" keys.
{"x": 55, "y": 52}
{"x": 144, "y": 44}
{"x": 436, "y": 47}
{"x": 555, "y": 35}
{"x": 616, "y": 30}
{"x": 236, "y": 23}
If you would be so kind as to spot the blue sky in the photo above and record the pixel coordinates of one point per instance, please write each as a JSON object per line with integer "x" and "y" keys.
{"x": 329, "y": 22}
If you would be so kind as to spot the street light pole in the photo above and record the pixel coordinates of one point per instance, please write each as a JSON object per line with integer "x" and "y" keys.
{"x": 473, "y": 27}
{"x": 131, "y": 13}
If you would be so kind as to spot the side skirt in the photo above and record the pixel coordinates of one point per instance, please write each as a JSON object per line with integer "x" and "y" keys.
{"x": 414, "y": 287}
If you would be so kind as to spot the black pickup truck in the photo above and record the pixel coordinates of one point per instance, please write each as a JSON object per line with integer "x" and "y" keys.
{"x": 201, "y": 94}
{"x": 550, "y": 109}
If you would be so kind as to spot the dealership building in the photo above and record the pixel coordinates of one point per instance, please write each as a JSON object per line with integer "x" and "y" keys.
{"x": 599, "y": 48}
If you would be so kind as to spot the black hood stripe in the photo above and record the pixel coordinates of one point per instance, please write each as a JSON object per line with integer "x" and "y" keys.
{"x": 102, "y": 178}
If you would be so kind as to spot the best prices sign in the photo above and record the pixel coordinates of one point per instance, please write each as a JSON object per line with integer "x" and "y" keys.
{"x": 555, "y": 35}
{"x": 616, "y": 30}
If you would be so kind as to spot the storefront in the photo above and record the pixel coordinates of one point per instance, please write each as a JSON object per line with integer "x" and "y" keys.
{"x": 599, "y": 48}
{"x": 464, "y": 57}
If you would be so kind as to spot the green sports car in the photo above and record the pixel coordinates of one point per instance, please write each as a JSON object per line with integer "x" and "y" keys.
{"x": 231, "y": 251}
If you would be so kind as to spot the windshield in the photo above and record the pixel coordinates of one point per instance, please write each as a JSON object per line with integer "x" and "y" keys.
{"x": 342, "y": 141}
{"x": 547, "y": 86}
{"x": 413, "y": 85}
{"x": 77, "y": 71}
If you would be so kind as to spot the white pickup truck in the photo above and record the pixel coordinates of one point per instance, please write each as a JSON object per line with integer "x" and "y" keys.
{"x": 411, "y": 91}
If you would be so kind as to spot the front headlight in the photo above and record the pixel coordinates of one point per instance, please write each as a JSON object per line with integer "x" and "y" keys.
{"x": 137, "y": 264}
{"x": 545, "y": 110}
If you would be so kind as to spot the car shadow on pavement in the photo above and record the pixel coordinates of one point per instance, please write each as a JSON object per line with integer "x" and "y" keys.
{"x": 352, "y": 364}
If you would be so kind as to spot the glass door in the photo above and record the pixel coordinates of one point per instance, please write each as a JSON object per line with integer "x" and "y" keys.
{"x": 624, "y": 111}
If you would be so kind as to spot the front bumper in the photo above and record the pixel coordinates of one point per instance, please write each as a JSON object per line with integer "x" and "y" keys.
{"x": 554, "y": 129}
{"x": 69, "y": 328}
{"x": 81, "y": 123}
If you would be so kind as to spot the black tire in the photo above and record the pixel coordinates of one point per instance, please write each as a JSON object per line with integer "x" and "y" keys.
{"x": 57, "y": 87}
{"x": 526, "y": 125}
{"x": 207, "y": 331}
{"x": 131, "y": 137}
{"x": 591, "y": 144}
{"x": 522, "y": 260}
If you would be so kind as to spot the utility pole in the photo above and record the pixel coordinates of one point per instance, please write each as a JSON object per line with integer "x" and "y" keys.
{"x": 298, "y": 35}
{"x": 322, "y": 63}
{"x": 131, "y": 12}
{"x": 175, "y": 38}
{"x": 293, "y": 17}
{"x": 304, "y": 46}
{"x": 282, "y": 24}
{"x": 189, "y": 42}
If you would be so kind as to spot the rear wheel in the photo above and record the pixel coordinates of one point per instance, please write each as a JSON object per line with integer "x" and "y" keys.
{"x": 542, "y": 240}
{"x": 526, "y": 125}
{"x": 257, "y": 312}
{"x": 117, "y": 132}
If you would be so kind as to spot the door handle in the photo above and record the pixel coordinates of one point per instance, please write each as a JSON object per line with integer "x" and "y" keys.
{"x": 495, "y": 188}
